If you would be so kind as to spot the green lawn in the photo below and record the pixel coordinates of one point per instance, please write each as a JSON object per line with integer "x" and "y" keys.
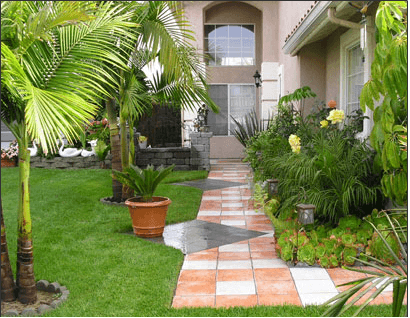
{"x": 80, "y": 242}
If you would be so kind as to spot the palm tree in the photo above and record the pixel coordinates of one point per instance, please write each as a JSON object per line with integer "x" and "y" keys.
{"x": 162, "y": 36}
{"x": 53, "y": 62}
{"x": 8, "y": 287}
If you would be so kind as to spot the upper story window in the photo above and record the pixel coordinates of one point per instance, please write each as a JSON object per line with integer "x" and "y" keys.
{"x": 230, "y": 45}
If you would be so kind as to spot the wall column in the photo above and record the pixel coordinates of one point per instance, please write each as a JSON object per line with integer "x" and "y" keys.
{"x": 270, "y": 89}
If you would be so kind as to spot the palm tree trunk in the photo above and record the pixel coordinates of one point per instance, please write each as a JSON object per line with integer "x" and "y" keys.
{"x": 115, "y": 147}
{"x": 126, "y": 191}
{"x": 8, "y": 287}
{"x": 25, "y": 280}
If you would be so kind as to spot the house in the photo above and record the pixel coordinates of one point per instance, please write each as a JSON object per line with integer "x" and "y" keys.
{"x": 326, "y": 45}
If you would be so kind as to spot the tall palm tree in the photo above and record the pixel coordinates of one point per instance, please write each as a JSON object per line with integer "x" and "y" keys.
{"x": 53, "y": 58}
{"x": 162, "y": 36}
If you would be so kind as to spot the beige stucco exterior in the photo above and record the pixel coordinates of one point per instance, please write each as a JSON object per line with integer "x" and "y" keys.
{"x": 315, "y": 63}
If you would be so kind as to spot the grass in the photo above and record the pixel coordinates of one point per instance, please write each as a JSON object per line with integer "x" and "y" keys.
{"x": 82, "y": 244}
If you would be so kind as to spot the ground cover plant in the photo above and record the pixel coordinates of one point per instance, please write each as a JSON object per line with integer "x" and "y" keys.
{"x": 82, "y": 244}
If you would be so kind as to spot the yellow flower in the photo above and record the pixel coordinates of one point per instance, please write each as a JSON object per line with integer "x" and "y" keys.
{"x": 336, "y": 116}
{"x": 324, "y": 123}
{"x": 294, "y": 142}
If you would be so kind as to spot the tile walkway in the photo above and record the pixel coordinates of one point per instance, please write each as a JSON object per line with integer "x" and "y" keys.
{"x": 249, "y": 273}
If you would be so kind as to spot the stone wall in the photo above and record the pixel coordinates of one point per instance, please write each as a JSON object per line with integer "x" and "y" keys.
{"x": 70, "y": 162}
{"x": 184, "y": 158}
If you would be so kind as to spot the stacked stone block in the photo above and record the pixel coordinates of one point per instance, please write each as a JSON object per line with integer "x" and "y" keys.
{"x": 179, "y": 156}
{"x": 78, "y": 162}
{"x": 200, "y": 150}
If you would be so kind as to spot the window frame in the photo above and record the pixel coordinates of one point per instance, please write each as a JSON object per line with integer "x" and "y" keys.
{"x": 228, "y": 86}
{"x": 227, "y": 24}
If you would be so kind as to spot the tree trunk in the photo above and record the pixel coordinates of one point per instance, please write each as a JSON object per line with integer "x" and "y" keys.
{"x": 8, "y": 287}
{"x": 115, "y": 147}
{"x": 25, "y": 280}
{"x": 126, "y": 191}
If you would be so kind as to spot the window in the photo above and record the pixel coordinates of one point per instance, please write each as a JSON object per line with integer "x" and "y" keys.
{"x": 354, "y": 78}
{"x": 233, "y": 99}
{"x": 230, "y": 45}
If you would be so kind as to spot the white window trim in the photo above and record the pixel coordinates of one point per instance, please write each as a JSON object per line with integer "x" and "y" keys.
{"x": 348, "y": 40}
{"x": 229, "y": 102}
{"x": 254, "y": 47}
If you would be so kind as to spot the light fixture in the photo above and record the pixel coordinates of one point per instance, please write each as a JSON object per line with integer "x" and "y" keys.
{"x": 258, "y": 80}
{"x": 306, "y": 213}
{"x": 272, "y": 186}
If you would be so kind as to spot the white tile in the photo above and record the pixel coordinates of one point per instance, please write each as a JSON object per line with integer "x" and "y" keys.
{"x": 253, "y": 212}
{"x": 315, "y": 299}
{"x": 309, "y": 273}
{"x": 269, "y": 263}
{"x": 231, "y": 198}
{"x": 246, "y": 197}
{"x": 315, "y": 286}
{"x": 245, "y": 264}
{"x": 234, "y": 248}
{"x": 232, "y": 213}
{"x": 209, "y": 198}
{"x": 199, "y": 265}
{"x": 233, "y": 222}
{"x": 209, "y": 213}
{"x": 236, "y": 288}
{"x": 232, "y": 205}
{"x": 230, "y": 191}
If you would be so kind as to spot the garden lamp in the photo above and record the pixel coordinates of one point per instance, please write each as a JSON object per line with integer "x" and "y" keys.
{"x": 258, "y": 80}
{"x": 272, "y": 186}
{"x": 305, "y": 213}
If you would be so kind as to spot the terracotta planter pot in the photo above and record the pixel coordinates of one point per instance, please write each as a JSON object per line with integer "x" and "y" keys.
{"x": 6, "y": 162}
{"x": 148, "y": 218}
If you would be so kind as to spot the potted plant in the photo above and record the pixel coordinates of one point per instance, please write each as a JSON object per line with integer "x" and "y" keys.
{"x": 147, "y": 212}
{"x": 142, "y": 140}
{"x": 9, "y": 156}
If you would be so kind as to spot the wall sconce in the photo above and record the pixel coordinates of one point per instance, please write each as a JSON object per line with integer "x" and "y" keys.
{"x": 306, "y": 213}
{"x": 258, "y": 80}
{"x": 272, "y": 186}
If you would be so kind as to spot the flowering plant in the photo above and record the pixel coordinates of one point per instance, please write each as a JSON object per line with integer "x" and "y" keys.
{"x": 324, "y": 123}
{"x": 336, "y": 116}
{"x": 142, "y": 138}
{"x": 12, "y": 152}
{"x": 294, "y": 143}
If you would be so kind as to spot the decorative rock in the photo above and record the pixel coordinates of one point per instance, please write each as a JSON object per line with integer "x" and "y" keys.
{"x": 52, "y": 288}
{"x": 43, "y": 308}
{"x": 29, "y": 312}
{"x": 42, "y": 284}
{"x": 11, "y": 313}
{"x": 61, "y": 289}
{"x": 55, "y": 303}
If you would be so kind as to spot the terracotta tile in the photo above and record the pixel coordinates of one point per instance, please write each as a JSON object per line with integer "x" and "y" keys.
{"x": 232, "y": 217}
{"x": 261, "y": 240}
{"x": 213, "y": 219}
{"x": 231, "y": 209}
{"x": 200, "y": 257}
{"x": 190, "y": 288}
{"x": 278, "y": 299}
{"x": 276, "y": 287}
{"x": 236, "y": 300}
{"x": 388, "y": 296}
{"x": 276, "y": 274}
{"x": 260, "y": 227}
{"x": 263, "y": 255}
{"x": 213, "y": 192}
{"x": 208, "y": 251}
{"x": 377, "y": 301}
{"x": 253, "y": 221}
{"x": 259, "y": 247}
{"x": 210, "y": 205}
{"x": 197, "y": 275}
{"x": 234, "y": 275}
{"x": 344, "y": 274}
{"x": 234, "y": 255}
{"x": 193, "y": 301}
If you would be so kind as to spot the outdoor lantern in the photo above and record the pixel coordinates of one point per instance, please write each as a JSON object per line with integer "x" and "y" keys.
{"x": 272, "y": 186}
{"x": 305, "y": 213}
{"x": 258, "y": 80}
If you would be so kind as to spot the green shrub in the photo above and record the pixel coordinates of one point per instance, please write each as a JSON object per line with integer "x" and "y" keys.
{"x": 378, "y": 249}
{"x": 348, "y": 238}
{"x": 333, "y": 261}
{"x": 348, "y": 254}
{"x": 350, "y": 221}
{"x": 320, "y": 250}
{"x": 324, "y": 261}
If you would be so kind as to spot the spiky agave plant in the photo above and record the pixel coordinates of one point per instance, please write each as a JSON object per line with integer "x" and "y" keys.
{"x": 388, "y": 274}
{"x": 143, "y": 181}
